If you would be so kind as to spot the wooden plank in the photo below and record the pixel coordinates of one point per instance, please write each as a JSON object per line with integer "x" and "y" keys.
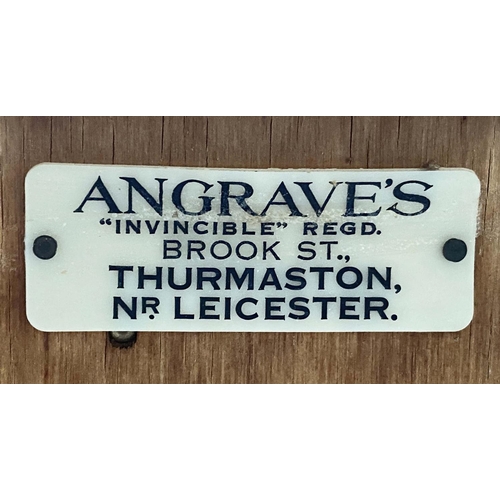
{"x": 79, "y": 357}
{"x": 5, "y": 265}
{"x": 27, "y": 143}
{"x": 472, "y": 355}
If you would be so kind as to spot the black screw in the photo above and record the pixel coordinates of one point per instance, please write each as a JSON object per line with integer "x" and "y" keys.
{"x": 454, "y": 250}
{"x": 45, "y": 247}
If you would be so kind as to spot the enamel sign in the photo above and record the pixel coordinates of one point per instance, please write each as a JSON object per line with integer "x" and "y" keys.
{"x": 132, "y": 248}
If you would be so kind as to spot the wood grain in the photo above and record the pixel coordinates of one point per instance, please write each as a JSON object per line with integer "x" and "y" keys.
{"x": 470, "y": 356}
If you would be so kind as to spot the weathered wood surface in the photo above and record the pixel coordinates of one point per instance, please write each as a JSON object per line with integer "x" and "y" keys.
{"x": 472, "y": 355}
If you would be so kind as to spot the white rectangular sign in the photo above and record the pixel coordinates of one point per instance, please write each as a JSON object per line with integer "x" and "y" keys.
{"x": 129, "y": 248}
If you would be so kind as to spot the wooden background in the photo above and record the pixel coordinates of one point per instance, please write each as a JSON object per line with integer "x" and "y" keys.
{"x": 472, "y": 355}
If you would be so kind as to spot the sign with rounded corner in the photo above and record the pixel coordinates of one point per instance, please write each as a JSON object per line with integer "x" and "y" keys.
{"x": 137, "y": 248}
